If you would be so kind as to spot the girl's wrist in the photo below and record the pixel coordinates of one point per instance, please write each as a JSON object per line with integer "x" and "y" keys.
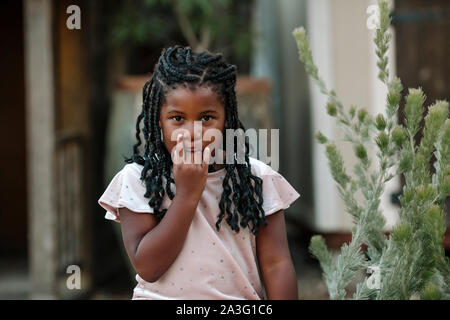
{"x": 188, "y": 198}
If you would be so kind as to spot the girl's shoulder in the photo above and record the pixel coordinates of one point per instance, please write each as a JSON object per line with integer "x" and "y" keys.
{"x": 126, "y": 189}
{"x": 133, "y": 171}
{"x": 132, "y": 168}
{"x": 277, "y": 192}
{"x": 260, "y": 168}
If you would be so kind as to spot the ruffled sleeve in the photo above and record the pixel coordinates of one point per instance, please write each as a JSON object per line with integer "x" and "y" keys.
{"x": 125, "y": 190}
{"x": 277, "y": 192}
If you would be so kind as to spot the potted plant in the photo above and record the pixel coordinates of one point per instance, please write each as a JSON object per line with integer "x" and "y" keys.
{"x": 410, "y": 263}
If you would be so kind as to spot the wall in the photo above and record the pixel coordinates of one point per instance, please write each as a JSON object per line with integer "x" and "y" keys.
{"x": 344, "y": 53}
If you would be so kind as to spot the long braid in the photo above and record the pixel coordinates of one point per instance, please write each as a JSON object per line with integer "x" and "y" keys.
{"x": 241, "y": 199}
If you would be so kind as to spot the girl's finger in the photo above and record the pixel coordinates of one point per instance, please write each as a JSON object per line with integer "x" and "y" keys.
{"x": 178, "y": 150}
{"x": 180, "y": 142}
{"x": 206, "y": 157}
{"x": 198, "y": 159}
{"x": 175, "y": 156}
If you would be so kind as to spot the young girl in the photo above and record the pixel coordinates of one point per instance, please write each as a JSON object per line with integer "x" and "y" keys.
{"x": 171, "y": 212}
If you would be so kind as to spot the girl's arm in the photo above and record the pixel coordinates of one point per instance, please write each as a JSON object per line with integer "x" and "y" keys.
{"x": 153, "y": 247}
{"x": 275, "y": 260}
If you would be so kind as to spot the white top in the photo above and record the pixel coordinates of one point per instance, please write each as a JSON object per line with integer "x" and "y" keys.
{"x": 211, "y": 264}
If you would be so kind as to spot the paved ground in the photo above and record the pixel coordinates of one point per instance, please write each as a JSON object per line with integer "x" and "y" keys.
{"x": 14, "y": 282}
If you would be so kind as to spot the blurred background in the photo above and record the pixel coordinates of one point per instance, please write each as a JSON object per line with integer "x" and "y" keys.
{"x": 71, "y": 91}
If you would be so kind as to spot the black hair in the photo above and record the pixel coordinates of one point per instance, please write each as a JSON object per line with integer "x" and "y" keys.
{"x": 177, "y": 66}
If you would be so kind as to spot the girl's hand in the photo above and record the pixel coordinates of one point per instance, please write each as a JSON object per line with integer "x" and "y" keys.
{"x": 190, "y": 177}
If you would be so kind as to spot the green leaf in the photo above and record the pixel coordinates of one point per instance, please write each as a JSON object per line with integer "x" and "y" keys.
{"x": 331, "y": 109}
{"x": 414, "y": 110}
{"x": 362, "y": 113}
{"x": 380, "y": 122}
{"x": 398, "y": 135}
{"x": 382, "y": 141}
{"x": 361, "y": 152}
{"x": 321, "y": 138}
{"x": 336, "y": 164}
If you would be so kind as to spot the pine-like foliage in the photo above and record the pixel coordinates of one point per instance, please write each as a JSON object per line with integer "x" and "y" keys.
{"x": 411, "y": 262}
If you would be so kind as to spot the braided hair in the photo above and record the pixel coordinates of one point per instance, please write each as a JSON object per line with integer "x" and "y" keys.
{"x": 180, "y": 66}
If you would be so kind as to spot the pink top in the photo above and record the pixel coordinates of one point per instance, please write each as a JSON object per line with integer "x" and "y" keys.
{"x": 211, "y": 264}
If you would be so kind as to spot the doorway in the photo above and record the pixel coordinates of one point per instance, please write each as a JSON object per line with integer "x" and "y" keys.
{"x": 13, "y": 165}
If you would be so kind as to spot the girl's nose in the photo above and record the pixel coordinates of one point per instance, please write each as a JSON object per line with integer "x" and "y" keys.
{"x": 195, "y": 130}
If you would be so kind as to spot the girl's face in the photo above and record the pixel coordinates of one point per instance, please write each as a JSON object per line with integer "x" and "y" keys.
{"x": 183, "y": 106}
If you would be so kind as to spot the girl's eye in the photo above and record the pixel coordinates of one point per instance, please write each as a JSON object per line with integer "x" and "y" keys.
{"x": 177, "y": 118}
{"x": 208, "y": 118}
